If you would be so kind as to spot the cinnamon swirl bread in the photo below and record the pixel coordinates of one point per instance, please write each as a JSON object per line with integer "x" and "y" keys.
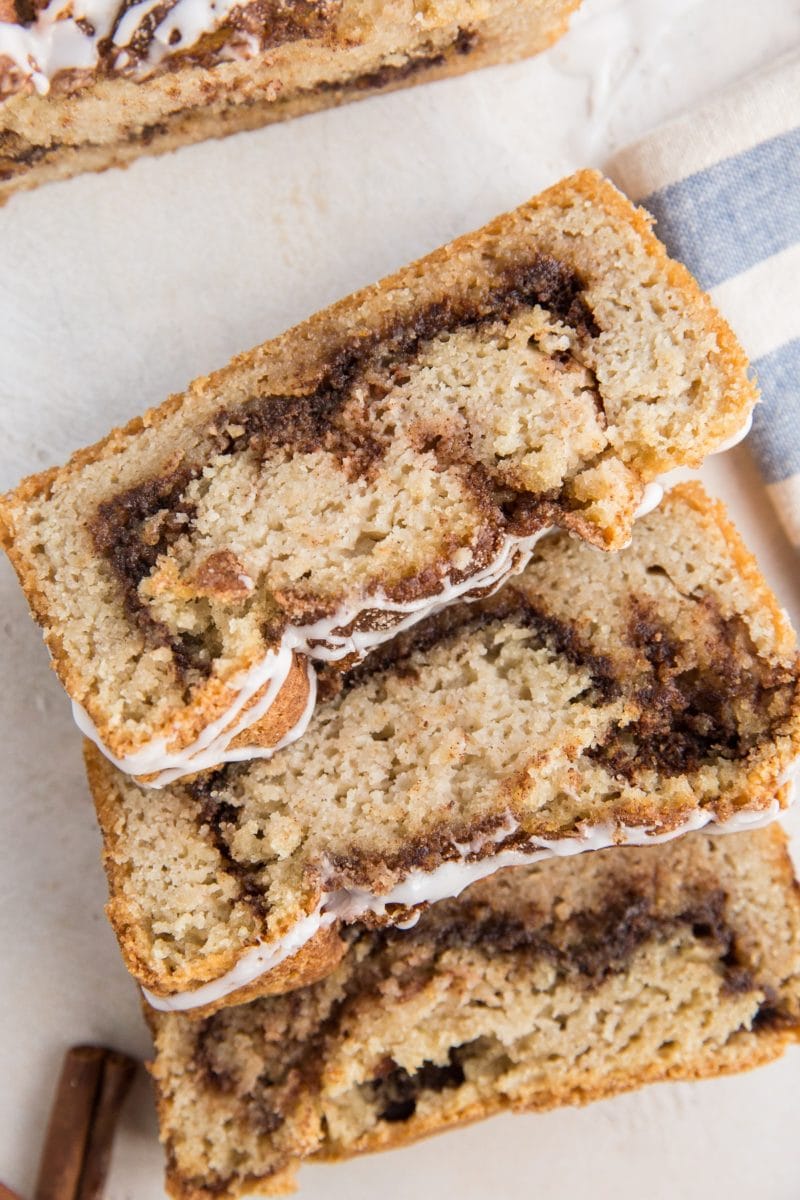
{"x": 548, "y": 985}
{"x": 95, "y": 83}
{"x": 596, "y": 700}
{"x": 397, "y": 452}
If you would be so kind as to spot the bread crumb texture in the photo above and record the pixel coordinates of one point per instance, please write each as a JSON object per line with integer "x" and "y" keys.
{"x": 263, "y": 63}
{"x": 539, "y": 372}
{"x": 548, "y": 985}
{"x": 628, "y": 690}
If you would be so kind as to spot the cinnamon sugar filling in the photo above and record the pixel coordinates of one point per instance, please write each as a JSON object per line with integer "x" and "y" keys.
{"x": 136, "y": 529}
{"x": 690, "y": 717}
{"x": 583, "y": 953}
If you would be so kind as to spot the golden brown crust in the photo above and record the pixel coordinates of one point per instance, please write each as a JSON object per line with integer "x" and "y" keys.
{"x": 314, "y": 960}
{"x": 306, "y": 347}
{"x": 743, "y": 1047}
{"x": 124, "y": 923}
{"x": 753, "y": 788}
{"x": 753, "y": 1053}
{"x": 320, "y": 332}
{"x": 282, "y": 716}
{"x": 715, "y": 516}
{"x": 744, "y": 392}
{"x": 272, "y": 103}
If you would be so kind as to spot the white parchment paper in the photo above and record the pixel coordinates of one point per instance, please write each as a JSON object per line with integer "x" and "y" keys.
{"x": 117, "y": 289}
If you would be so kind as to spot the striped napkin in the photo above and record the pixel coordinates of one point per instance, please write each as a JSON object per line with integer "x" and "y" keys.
{"x": 723, "y": 183}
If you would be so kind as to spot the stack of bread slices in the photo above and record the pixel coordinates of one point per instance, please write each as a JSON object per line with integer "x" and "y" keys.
{"x": 436, "y": 759}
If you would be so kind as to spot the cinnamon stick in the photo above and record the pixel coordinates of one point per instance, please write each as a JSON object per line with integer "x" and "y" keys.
{"x": 68, "y": 1129}
{"x": 7, "y": 1194}
{"x": 118, "y": 1075}
{"x": 77, "y": 1147}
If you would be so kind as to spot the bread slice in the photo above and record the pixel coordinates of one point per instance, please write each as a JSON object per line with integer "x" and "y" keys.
{"x": 396, "y": 452}
{"x": 598, "y": 699}
{"x": 543, "y": 986}
{"x": 232, "y": 67}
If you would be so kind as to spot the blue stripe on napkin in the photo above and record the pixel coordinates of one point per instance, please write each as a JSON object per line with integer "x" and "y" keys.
{"x": 734, "y": 214}
{"x": 723, "y": 183}
{"x": 776, "y": 432}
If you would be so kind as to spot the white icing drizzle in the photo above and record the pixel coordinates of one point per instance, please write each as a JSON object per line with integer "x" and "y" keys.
{"x": 654, "y": 492}
{"x": 326, "y": 640}
{"x": 737, "y": 437}
{"x": 447, "y": 880}
{"x": 651, "y": 498}
{"x": 212, "y": 747}
{"x": 57, "y": 42}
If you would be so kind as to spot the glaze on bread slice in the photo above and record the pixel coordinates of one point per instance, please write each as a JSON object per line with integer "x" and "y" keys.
{"x": 548, "y": 985}
{"x": 396, "y": 452}
{"x": 596, "y": 700}
{"x": 155, "y": 79}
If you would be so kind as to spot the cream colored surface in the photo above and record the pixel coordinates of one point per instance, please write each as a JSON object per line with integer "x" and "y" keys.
{"x": 117, "y": 289}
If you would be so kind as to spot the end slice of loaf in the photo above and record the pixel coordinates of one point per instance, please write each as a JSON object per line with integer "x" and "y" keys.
{"x": 396, "y": 452}
{"x": 167, "y": 77}
{"x": 543, "y": 986}
{"x": 597, "y": 700}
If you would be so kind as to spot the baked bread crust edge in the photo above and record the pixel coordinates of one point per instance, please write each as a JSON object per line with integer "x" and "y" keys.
{"x": 745, "y": 1052}
{"x": 320, "y": 332}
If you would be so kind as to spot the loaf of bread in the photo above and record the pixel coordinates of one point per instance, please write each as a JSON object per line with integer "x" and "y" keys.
{"x": 399, "y": 451}
{"x": 90, "y": 85}
{"x": 542, "y": 986}
{"x": 596, "y": 700}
